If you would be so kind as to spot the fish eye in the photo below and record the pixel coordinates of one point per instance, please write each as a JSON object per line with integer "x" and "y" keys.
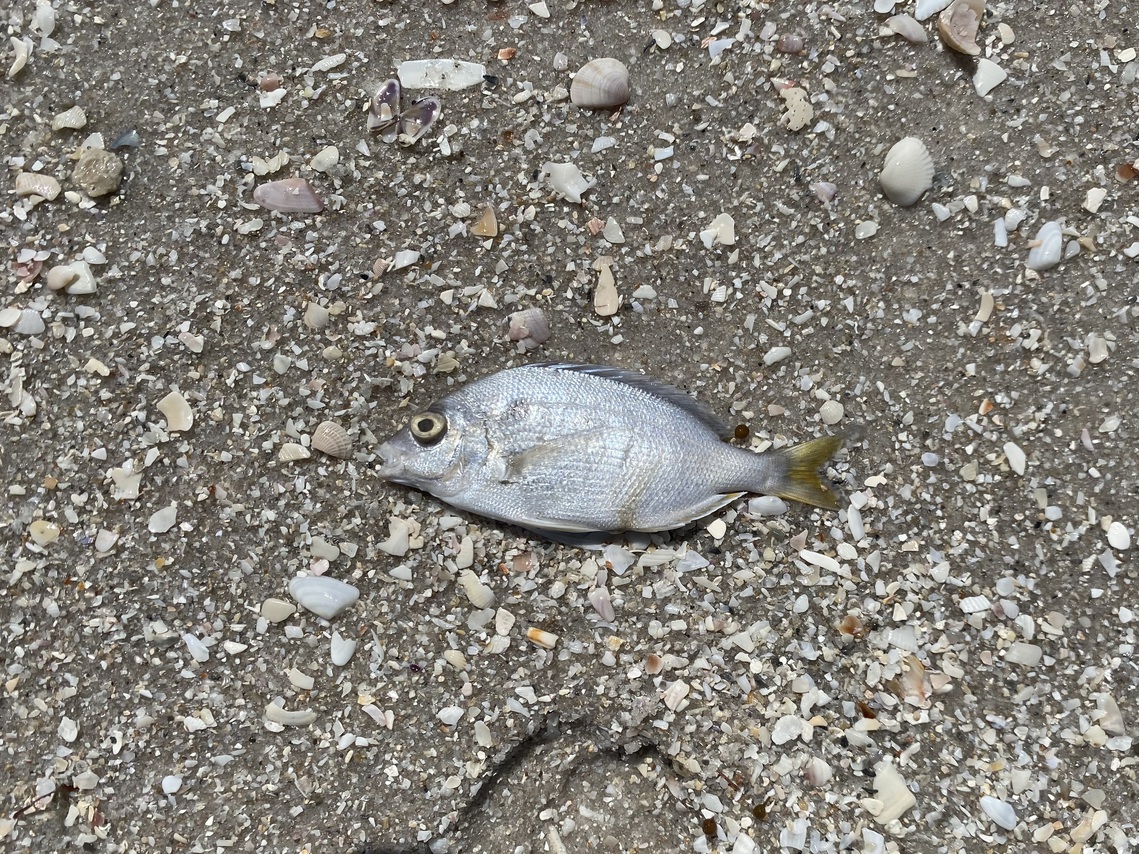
{"x": 428, "y": 427}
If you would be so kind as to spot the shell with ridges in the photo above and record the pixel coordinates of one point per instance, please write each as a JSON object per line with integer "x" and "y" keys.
{"x": 907, "y": 171}
{"x": 958, "y": 25}
{"x": 332, "y": 439}
{"x": 601, "y": 84}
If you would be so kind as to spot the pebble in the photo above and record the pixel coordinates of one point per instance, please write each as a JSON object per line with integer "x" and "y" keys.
{"x": 450, "y": 715}
{"x": 1118, "y": 537}
{"x": 98, "y": 172}
{"x": 717, "y": 528}
{"x": 68, "y": 729}
{"x": 776, "y": 355}
{"x": 277, "y": 610}
{"x": 198, "y": 650}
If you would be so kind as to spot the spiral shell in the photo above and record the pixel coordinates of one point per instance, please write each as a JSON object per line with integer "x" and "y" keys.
{"x": 601, "y": 84}
{"x": 332, "y": 439}
{"x": 907, "y": 171}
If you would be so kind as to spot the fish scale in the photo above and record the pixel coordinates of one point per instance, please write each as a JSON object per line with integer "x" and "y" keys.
{"x": 584, "y": 448}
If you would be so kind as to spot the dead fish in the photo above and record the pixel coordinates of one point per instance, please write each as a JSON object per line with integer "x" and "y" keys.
{"x": 588, "y": 448}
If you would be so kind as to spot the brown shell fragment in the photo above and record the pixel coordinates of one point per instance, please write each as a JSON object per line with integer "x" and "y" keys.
{"x": 332, "y": 439}
{"x": 289, "y": 195}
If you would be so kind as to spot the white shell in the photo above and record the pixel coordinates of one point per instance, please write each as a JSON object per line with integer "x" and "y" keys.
{"x": 988, "y": 76}
{"x": 479, "y": 594}
{"x": 291, "y": 452}
{"x": 416, "y": 120}
{"x": 342, "y": 649}
{"x": 958, "y": 25}
{"x": 566, "y": 180}
{"x": 908, "y": 28}
{"x": 176, "y": 409}
{"x": 72, "y": 119}
{"x": 291, "y": 195}
{"x": 602, "y": 603}
{"x": 1047, "y": 251}
{"x": 892, "y": 791}
{"x": 332, "y": 439}
{"x": 601, "y": 84}
{"x": 907, "y": 171}
{"x": 450, "y": 74}
{"x": 326, "y": 597}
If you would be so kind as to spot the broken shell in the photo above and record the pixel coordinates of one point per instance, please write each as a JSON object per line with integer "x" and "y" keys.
{"x": 958, "y": 25}
{"x": 72, "y": 119}
{"x": 37, "y": 184}
{"x": 383, "y": 115}
{"x": 602, "y": 603}
{"x": 176, "y": 409}
{"x": 326, "y": 597}
{"x": 529, "y": 326}
{"x": 479, "y": 594}
{"x": 60, "y": 276}
{"x": 566, "y": 180}
{"x": 1046, "y": 247}
{"x": 332, "y": 439}
{"x": 907, "y": 171}
{"x": 544, "y": 639}
{"x": 908, "y": 28}
{"x": 798, "y": 111}
{"x": 291, "y": 195}
{"x": 487, "y": 226}
{"x": 601, "y": 84}
{"x": 417, "y": 119}
{"x": 291, "y": 452}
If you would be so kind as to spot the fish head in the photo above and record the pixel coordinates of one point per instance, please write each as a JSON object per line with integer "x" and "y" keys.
{"x": 430, "y": 453}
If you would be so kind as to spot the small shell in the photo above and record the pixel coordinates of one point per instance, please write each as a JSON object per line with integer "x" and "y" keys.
{"x": 176, "y": 409}
{"x": 417, "y": 119}
{"x": 383, "y": 115}
{"x": 332, "y": 439}
{"x": 487, "y": 226}
{"x": 37, "y": 184}
{"x": 530, "y": 326}
{"x": 602, "y": 603}
{"x": 326, "y": 597}
{"x": 479, "y": 594}
{"x": 291, "y": 195}
{"x": 566, "y": 180}
{"x": 72, "y": 119}
{"x": 908, "y": 28}
{"x": 790, "y": 43}
{"x": 291, "y": 452}
{"x": 601, "y": 84}
{"x": 1046, "y": 247}
{"x": 546, "y": 640}
{"x": 907, "y": 171}
{"x": 958, "y": 25}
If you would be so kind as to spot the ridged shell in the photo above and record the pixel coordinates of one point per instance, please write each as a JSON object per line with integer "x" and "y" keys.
{"x": 332, "y": 439}
{"x": 907, "y": 171}
{"x": 479, "y": 594}
{"x": 530, "y": 325}
{"x": 37, "y": 184}
{"x": 326, "y": 597}
{"x": 958, "y": 25}
{"x": 601, "y": 84}
{"x": 290, "y": 195}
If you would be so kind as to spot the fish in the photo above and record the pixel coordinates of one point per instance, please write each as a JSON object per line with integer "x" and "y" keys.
{"x": 573, "y": 448}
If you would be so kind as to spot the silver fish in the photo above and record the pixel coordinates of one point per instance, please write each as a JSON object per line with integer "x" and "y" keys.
{"x": 586, "y": 448}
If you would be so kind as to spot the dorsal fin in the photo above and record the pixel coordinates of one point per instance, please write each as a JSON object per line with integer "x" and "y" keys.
{"x": 670, "y": 394}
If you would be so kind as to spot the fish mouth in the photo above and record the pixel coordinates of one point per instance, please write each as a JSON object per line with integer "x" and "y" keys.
{"x": 391, "y": 467}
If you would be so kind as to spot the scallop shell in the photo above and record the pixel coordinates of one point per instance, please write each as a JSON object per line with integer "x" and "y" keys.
{"x": 416, "y": 120}
{"x": 601, "y": 84}
{"x": 907, "y": 171}
{"x": 958, "y": 24}
{"x": 326, "y": 597}
{"x": 332, "y": 439}
{"x": 291, "y": 195}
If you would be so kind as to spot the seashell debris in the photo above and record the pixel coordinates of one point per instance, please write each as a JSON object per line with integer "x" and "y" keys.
{"x": 908, "y": 28}
{"x": 332, "y": 439}
{"x": 1047, "y": 246}
{"x": 566, "y": 180}
{"x": 907, "y": 171}
{"x": 37, "y": 184}
{"x": 383, "y": 114}
{"x": 892, "y": 792}
{"x": 797, "y": 109}
{"x": 71, "y": 119}
{"x": 479, "y": 594}
{"x": 289, "y": 195}
{"x": 601, "y": 84}
{"x": 416, "y": 120}
{"x": 324, "y": 596}
{"x": 448, "y": 74}
{"x": 176, "y": 409}
{"x": 529, "y": 328}
{"x": 958, "y": 24}
{"x": 487, "y": 225}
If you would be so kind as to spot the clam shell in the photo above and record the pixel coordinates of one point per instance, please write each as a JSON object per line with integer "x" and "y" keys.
{"x": 416, "y": 120}
{"x": 290, "y": 195}
{"x": 539, "y": 637}
{"x": 907, "y": 171}
{"x": 958, "y": 24}
{"x": 326, "y": 597}
{"x": 479, "y": 594}
{"x": 383, "y": 115}
{"x": 332, "y": 439}
{"x": 601, "y": 84}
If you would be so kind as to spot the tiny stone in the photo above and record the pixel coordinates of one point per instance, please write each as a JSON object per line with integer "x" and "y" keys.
{"x": 98, "y": 172}
{"x": 277, "y": 610}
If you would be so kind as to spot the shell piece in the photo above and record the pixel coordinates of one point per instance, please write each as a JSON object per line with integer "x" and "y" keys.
{"x": 37, "y": 184}
{"x": 958, "y": 24}
{"x": 487, "y": 226}
{"x": 342, "y": 649}
{"x": 72, "y": 119}
{"x": 1046, "y": 252}
{"x": 798, "y": 111}
{"x": 448, "y": 74}
{"x": 601, "y": 84}
{"x": 544, "y": 639}
{"x": 326, "y": 597}
{"x": 479, "y": 594}
{"x": 908, "y": 28}
{"x": 907, "y": 171}
{"x": 892, "y": 791}
{"x": 179, "y": 415}
{"x": 416, "y": 120}
{"x": 566, "y": 180}
{"x": 332, "y": 439}
{"x": 988, "y": 76}
{"x": 290, "y": 195}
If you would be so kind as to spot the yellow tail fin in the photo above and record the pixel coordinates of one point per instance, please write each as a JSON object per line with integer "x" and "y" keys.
{"x": 801, "y": 480}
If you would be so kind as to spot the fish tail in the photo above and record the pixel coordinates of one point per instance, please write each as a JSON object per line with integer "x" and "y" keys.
{"x": 800, "y": 479}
